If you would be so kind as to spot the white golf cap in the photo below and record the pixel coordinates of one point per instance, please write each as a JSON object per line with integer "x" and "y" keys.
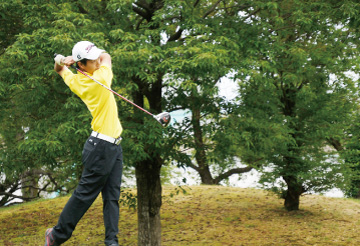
{"x": 85, "y": 49}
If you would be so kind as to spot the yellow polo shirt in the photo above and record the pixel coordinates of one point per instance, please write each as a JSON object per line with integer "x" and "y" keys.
{"x": 100, "y": 101}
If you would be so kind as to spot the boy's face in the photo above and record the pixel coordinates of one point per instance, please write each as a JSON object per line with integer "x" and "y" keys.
{"x": 91, "y": 66}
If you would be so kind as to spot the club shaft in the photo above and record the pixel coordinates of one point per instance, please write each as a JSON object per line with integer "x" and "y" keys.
{"x": 124, "y": 98}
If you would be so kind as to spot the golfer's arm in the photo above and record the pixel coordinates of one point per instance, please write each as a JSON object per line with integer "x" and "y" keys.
{"x": 105, "y": 59}
{"x": 68, "y": 61}
{"x": 59, "y": 69}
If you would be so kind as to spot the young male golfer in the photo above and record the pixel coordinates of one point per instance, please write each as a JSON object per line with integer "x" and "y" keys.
{"x": 102, "y": 153}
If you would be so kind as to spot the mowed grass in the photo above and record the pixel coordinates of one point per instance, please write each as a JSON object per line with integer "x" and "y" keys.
{"x": 205, "y": 215}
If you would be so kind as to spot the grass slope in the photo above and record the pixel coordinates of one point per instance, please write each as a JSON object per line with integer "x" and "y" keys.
{"x": 205, "y": 215}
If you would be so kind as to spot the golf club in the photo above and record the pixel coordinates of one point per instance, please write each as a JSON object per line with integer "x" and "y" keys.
{"x": 163, "y": 118}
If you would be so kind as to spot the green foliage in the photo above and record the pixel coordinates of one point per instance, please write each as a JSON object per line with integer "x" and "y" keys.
{"x": 128, "y": 199}
{"x": 178, "y": 190}
{"x": 297, "y": 97}
{"x": 351, "y": 153}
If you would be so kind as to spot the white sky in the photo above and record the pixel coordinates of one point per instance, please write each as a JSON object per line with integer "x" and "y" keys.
{"x": 228, "y": 88}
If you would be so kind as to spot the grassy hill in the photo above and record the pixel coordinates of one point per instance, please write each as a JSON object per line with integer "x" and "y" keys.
{"x": 205, "y": 215}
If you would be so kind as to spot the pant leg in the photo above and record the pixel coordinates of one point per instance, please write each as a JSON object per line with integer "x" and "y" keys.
{"x": 99, "y": 158}
{"x": 110, "y": 196}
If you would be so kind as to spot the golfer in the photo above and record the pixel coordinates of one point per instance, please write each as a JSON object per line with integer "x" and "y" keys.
{"x": 102, "y": 153}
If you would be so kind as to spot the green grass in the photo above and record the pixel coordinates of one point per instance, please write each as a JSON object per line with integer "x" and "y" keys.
{"x": 205, "y": 215}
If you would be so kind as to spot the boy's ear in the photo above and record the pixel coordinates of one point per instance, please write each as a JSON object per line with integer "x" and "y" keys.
{"x": 81, "y": 66}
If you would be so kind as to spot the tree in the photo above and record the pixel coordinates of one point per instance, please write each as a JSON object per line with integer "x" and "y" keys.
{"x": 217, "y": 44}
{"x": 14, "y": 164}
{"x": 154, "y": 47}
{"x": 298, "y": 97}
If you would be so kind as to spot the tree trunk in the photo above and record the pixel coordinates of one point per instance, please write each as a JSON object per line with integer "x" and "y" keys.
{"x": 206, "y": 177}
{"x": 30, "y": 185}
{"x": 147, "y": 173}
{"x": 295, "y": 188}
{"x": 149, "y": 202}
{"x": 293, "y": 193}
{"x": 200, "y": 154}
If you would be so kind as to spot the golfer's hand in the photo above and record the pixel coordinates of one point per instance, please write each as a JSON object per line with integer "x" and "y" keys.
{"x": 68, "y": 61}
{"x": 61, "y": 60}
{"x": 62, "y": 63}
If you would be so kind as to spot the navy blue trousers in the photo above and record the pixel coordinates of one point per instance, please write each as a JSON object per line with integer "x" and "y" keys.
{"x": 102, "y": 173}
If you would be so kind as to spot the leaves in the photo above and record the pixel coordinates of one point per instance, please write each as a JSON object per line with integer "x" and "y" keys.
{"x": 289, "y": 106}
{"x": 170, "y": 55}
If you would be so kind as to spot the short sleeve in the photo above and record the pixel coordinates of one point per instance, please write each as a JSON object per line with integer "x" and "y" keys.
{"x": 104, "y": 74}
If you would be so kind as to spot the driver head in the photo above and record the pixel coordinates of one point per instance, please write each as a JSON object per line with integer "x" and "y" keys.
{"x": 163, "y": 119}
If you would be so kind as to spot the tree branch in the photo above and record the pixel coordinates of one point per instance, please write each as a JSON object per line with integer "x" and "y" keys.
{"x": 335, "y": 143}
{"x": 233, "y": 171}
{"x": 144, "y": 5}
{"x": 142, "y": 13}
{"x": 16, "y": 196}
{"x": 177, "y": 108}
{"x": 212, "y": 9}
{"x": 193, "y": 166}
{"x": 252, "y": 13}
{"x": 176, "y": 35}
{"x": 196, "y": 3}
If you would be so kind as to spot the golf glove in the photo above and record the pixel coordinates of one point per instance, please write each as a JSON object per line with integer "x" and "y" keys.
{"x": 59, "y": 59}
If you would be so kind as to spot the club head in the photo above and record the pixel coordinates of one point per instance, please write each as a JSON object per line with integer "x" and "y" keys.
{"x": 163, "y": 118}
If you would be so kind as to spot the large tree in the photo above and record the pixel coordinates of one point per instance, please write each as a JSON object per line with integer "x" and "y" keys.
{"x": 162, "y": 45}
{"x": 19, "y": 169}
{"x": 298, "y": 99}
{"x": 219, "y": 43}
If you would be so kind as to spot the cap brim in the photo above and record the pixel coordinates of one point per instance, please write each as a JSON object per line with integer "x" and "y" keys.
{"x": 94, "y": 54}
